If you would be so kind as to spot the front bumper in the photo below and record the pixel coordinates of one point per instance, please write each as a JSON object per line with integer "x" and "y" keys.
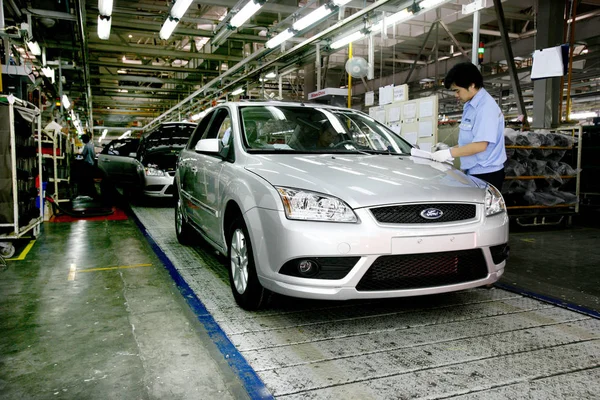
{"x": 277, "y": 240}
{"x": 158, "y": 186}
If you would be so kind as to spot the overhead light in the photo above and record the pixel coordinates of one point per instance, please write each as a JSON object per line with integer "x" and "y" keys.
{"x": 347, "y": 39}
{"x": 105, "y": 7}
{"x": 393, "y": 20}
{"x": 65, "y": 102}
{"x": 35, "y": 49}
{"x": 104, "y": 27}
{"x": 277, "y": 40}
{"x": 271, "y": 75}
{"x": 180, "y": 8}
{"x": 123, "y": 91}
{"x": 125, "y": 135}
{"x": 311, "y": 18}
{"x": 49, "y": 73}
{"x": 430, "y": 3}
{"x": 583, "y": 115}
{"x": 244, "y": 14}
{"x": 340, "y": 3}
{"x": 129, "y": 36}
{"x": 168, "y": 27}
{"x": 121, "y": 71}
{"x": 238, "y": 91}
{"x": 200, "y": 115}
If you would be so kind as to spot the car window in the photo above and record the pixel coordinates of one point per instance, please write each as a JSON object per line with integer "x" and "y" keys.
{"x": 316, "y": 129}
{"x": 220, "y": 127}
{"x": 200, "y": 130}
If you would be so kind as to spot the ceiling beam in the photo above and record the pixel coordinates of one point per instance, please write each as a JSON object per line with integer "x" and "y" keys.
{"x": 141, "y": 89}
{"x": 158, "y": 52}
{"x": 145, "y": 79}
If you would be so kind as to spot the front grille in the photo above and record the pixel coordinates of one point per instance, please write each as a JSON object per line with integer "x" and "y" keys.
{"x": 170, "y": 189}
{"x": 414, "y": 271}
{"x": 154, "y": 188}
{"x": 171, "y": 173}
{"x": 411, "y": 213}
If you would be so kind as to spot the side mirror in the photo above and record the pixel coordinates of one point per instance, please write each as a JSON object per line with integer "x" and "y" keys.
{"x": 212, "y": 146}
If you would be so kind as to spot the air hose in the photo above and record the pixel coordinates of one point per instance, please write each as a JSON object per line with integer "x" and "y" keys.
{"x": 76, "y": 214}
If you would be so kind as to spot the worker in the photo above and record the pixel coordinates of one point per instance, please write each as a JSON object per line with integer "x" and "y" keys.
{"x": 87, "y": 186}
{"x": 480, "y": 139}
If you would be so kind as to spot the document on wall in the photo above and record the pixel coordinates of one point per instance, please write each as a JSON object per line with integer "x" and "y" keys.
{"x": 409, "y": 111}
{"x": 399, "y": 93}
{"x": 426, "y": 109}
{"x": 394, "y": 114}
{"x": 396, "y": 128}
{"x": 426, "y": 129}
{"x": 369, "y": 98}
{"x": 411, "y": 137}
{"x": 380, "y": 115}
{"x": 386, "y": 95}
{"x": 426, "y": 146}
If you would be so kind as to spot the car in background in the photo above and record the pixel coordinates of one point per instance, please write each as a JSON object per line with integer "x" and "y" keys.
{"x": 117, "y": 162}
{"x": 322, "y": 202}
{"x": 157, "y": 154}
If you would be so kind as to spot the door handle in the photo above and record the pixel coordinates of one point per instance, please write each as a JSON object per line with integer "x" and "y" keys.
{"x": 105, "y": 160}
{"x": 194, "y": 169}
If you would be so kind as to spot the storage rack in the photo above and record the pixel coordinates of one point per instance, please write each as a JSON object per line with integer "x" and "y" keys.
{"x": 562, "y": 210}
{"x": 60, "y": 165}
{"x": 18, "y": 180}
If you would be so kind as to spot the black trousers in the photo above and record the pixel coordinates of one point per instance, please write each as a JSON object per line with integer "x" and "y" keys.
{"x": 495, "y": 178}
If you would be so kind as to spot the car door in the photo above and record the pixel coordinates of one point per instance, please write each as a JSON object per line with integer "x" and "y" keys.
{"x": 116, "y": 161}
{"x": 207, "y": 171}
{"x": 187, "y": 170}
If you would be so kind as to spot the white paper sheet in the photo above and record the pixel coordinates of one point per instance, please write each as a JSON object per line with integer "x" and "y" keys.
{"x": 425, "y": 128}
{"x": 397, "y": 128}
{"x": 426, "y": 145}
{"x": 411, "y": 137}
{"x": 400, "y": 93}
{"x": 386, "y": 95}
{"x": 369, "y": 98}
{"x": 380, "y": 116}
{"x": 420, "y": 153}
{"x": 426, "y": 109}
{"x": 394, "y": 114}
{"x": 409, "y": 111}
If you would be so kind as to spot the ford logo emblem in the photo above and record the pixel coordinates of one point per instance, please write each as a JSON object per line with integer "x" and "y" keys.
{"x": 431, "y": 213}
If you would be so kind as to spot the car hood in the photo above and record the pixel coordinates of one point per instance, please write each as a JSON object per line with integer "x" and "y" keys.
{"x": 368, "y": 180}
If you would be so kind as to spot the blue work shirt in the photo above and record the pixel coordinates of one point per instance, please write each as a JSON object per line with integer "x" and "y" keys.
{"x": 482, "y": 121}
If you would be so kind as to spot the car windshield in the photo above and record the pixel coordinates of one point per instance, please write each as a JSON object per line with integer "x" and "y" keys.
{"x": 276, "y": 128}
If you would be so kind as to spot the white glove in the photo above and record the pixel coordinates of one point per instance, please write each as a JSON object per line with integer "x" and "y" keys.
{"x": 442, "y": 155}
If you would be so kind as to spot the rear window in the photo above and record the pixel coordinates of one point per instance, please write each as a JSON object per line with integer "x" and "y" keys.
{"x": 170, "y": 136}
{"x": 121, "y": 147}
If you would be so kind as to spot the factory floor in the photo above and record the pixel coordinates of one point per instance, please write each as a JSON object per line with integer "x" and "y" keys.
{"x": 117, "y": 309}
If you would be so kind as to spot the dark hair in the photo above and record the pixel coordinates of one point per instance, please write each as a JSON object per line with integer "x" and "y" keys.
{"x": 463, "y": 75}
{"x": 85, "y": 138}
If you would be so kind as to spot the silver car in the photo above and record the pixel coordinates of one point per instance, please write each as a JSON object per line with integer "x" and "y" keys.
{"x": 320, "y": 202}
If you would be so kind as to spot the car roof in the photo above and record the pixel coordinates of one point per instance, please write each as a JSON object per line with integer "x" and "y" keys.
{"x": 285, "y": 104}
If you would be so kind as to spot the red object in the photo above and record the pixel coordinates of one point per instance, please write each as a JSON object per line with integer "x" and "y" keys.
{"x": 48, "y": 150}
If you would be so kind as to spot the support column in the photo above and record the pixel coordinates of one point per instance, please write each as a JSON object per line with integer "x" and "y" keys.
{"x": 546, "y": 92}
{"x": 310, "y": 84}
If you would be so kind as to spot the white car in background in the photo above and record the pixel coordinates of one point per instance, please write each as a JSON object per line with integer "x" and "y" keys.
{"x": 321, "y": 202}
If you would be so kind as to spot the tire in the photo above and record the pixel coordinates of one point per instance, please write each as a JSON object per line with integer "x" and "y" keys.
{"x": 249, "y": 294}
{"x": 183, "y": 230}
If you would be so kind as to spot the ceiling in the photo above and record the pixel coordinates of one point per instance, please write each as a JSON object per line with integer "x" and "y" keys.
{"x": 135, "y": 79}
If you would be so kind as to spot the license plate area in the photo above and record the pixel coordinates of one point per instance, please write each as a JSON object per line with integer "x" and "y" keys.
{"x": 433, "y": 244}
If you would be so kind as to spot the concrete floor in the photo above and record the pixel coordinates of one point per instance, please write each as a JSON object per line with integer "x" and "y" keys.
{"x": 128, "y": 332}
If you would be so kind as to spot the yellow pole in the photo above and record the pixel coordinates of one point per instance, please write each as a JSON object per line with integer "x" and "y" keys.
{"x": 349, "y": 78}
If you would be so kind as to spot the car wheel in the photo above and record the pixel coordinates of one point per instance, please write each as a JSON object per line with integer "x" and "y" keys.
{"x": 247, "y": 290}
{"x": 183, "y": 230}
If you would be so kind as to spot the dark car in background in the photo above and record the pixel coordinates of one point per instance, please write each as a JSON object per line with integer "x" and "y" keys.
{"x": 157, "y": 153}
{"x": 117, "y": 162}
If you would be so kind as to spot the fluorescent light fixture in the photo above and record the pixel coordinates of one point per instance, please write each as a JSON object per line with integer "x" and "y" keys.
{"x": 200, "y": 115}
{"x": 244, "y": 14}
{"x": 168, "y": 27}
{"x": 238, "y": 91}
{"x": 49, "y": 73}
{"x": 277, "y": 40}
{"x": 347, "y": 39}
{"x": 340, "y": 3}
{"x": 583, "y": 115}
{"x": 121, "y": 71}
{"x": 180, "y": 8}
{"x": 271, "y": 75}
{"x": 311, "y": 18}
{"x": 104, "y": 27}
{"x": 35, "y": 49}
{"x": 105, "y": 7}
{"x": 430, "y": 3}
{"x": 123, "y": 91}
{"x": 65, "y": 102}
{"x": 125, "y": 135}
{"x": 393, "y": 20}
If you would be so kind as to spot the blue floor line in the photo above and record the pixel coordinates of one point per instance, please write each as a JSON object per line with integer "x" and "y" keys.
{"x": 250, "y": 379}
{"x": 557, "y": 302}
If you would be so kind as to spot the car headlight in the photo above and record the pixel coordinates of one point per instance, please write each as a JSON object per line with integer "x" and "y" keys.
{"x": 154, "y": 172}
{"x": 494, "y": 202}
{"x": 312, "y": 206}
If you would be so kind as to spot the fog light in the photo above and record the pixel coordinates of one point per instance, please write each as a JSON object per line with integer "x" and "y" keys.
{"x": 308, "y": 268}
